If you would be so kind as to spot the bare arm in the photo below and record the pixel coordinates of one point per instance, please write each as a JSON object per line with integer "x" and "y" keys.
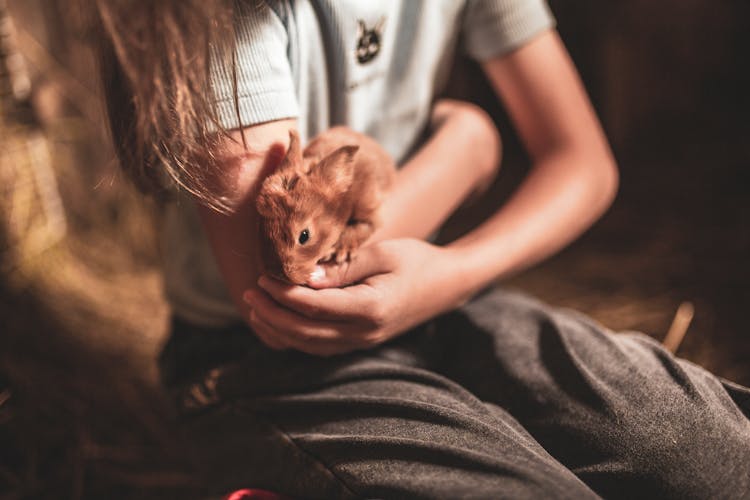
{"x": 460, "y": 156}
{"x": 396, "y": 284}
{"x": 574, "y": 176}
{"x": 233, "y": 237}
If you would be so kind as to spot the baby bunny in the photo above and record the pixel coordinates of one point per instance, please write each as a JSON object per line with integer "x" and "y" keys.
{"x": 322, "y": 203}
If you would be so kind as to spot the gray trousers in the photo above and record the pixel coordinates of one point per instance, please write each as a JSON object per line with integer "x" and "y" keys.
{"x": 503, "y": 398}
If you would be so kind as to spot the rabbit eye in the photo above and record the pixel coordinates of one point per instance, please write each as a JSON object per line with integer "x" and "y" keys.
{"x": 304, "y": 236}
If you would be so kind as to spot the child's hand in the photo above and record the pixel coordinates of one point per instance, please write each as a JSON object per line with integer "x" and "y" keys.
{"x": 397, "y": 284}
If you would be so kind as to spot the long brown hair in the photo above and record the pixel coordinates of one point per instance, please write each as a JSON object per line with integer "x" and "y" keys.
{"x": 155, "y": 59}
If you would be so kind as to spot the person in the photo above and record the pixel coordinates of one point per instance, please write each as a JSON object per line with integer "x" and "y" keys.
{"x": 403, "y": 373}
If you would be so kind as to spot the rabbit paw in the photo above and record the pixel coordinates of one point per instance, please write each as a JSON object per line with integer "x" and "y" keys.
{"x": 329, "y": 257}
{"x": 343, "y": 255}
{"x": 345, "y": 251}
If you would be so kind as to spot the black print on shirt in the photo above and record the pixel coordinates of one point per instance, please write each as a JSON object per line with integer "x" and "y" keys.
{"x": 368, "y": 40}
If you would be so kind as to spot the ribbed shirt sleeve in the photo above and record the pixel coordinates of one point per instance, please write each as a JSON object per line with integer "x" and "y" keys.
{"x": 495, "y": 27}
{"x": 265, "y": 85}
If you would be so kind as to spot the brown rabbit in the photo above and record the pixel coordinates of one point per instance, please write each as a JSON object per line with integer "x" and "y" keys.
{"x": 322, "y": 203}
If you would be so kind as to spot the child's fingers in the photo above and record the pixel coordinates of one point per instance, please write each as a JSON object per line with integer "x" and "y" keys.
{"x": 265, "y": 333}
{"x": 370, "y": 261}
{"x": 293, "y": 326}
{"x": 310, "y": 345}
{"x": 329, "y": 304}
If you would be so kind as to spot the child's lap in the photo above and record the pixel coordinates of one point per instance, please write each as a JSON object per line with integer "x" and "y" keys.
{"x": 437, "y": 411}
{"x": 617, "y": 409}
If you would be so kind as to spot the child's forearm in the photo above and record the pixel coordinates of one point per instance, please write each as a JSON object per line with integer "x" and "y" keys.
{"x": 561, "y": 197}
{"x": 461, "y": 156}
{"x": 574, "y": 175}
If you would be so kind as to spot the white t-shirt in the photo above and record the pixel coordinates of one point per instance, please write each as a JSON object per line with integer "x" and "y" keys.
{"x": 373, "y": 66}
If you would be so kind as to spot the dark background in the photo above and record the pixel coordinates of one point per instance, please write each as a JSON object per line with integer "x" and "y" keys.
{"x": 81, "y": 312}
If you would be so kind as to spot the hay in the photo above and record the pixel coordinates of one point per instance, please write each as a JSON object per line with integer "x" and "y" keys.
{"x": 80, "y": 416}
{"x": 30, "y": 202}
{"x": 82, "y": 319}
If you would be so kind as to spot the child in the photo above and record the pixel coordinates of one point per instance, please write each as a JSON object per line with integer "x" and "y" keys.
{"x": 386, "y": 378}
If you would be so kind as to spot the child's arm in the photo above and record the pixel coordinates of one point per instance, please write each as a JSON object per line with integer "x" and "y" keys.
{"x": 234, "y": 237}
{"x": 461, "y": 157}
{"x": 574, "y": 178}
{"x": 401, "y": 283}
{"x": 429, "y": 186}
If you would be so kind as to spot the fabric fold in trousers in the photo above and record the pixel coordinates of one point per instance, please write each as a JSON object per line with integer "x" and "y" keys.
{"x": 505, "y": 397}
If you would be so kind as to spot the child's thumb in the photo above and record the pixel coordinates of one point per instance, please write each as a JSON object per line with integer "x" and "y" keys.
{"x": 367, "y": 263}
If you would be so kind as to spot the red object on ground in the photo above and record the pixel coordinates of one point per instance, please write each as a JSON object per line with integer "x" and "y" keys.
{"x": 255, "y": 494}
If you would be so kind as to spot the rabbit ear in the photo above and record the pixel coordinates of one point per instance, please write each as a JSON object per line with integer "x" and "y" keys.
{"x": 293, "y": 156}
{"x": 266, "y": 205}
{"x": 336, "y": 170}
{"x": 272, "y": 194}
